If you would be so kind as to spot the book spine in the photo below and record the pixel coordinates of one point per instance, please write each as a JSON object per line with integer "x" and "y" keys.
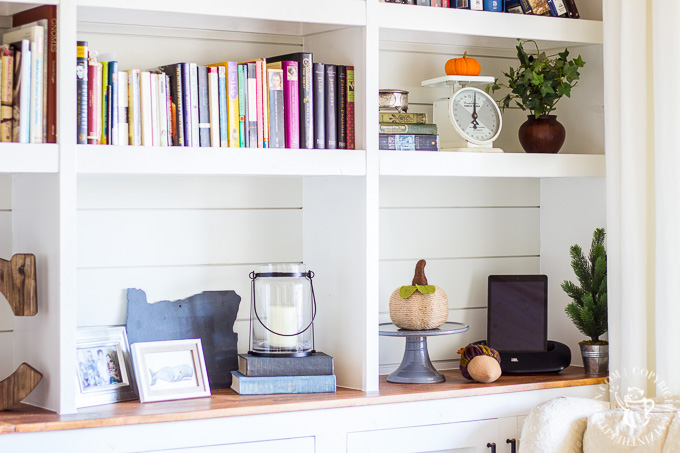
{"x": 6, "y": 94}
{"x": 312, "y": 365}
{"x": 265, "y": 104}
{"x": 163, "y": 108}
{"x": 155, "y": 114}
{"x": 36, "y": 91}
{"x": 203, "y": 108}
{"x": 81, "y": 94}
{"x": 260, "y": 107}
{"x": 105, "y": 103}
{"x": 319, "y": 99}
{"x": 514, "y": 7}
{"x": 25, "y": 94}
{"x": 558, "y": 8}
{"x": 331, "y": 108}
{"x": 423, "y": 2}
{"x": 477, "y": 5}
{"x": 248, "y": 385}
{"x": 176, "y": 118}
{"x": 306, "y": 95}
{"x": 350, "y": 108}
{"x": 242, "y": 105}
{"x": 402, "y": 118}
{"x": 526, "y": 7}
{"x": 145, "y": 108}
{"x": 224, "y": 119}
{"x": 405, "y": 142}
{"x": 540, "y": 7}
{"x": 135, "y": 111}
{"x": 291, "y": 103}
{"x": 252, "y": 105}
{"x": 277, "y": 137}
{"x": 193, "y": 89}
{"x": 123, "y": 127}
{"x": 93, "y": 105}
{"x": 573, "y": 10}
{"x": 342, "y": 106}
{"x": 113, "y": 100}
{"x": 214, "y": 106}
{"x": 187, "y": 104}
{"x": 393, "y": 128}
{"x": 232, "y": 104}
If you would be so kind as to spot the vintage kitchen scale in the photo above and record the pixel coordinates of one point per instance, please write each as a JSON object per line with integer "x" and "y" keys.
{"x": 469, "y": 119}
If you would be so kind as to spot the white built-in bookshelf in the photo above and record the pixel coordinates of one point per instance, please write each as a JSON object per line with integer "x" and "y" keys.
{"x": 177, "y": 221}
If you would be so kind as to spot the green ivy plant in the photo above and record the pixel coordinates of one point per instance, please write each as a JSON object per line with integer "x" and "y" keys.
{"x": 588, "y": 309}
{"x": 540, "y": 81}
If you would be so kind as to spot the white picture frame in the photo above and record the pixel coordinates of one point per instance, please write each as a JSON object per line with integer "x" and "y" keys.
{"x": 103, "y": 366}
{"x": 170, "y": 370}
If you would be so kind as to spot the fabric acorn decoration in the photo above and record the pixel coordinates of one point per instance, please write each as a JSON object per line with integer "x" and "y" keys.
{"x": 419, "y": 306}
{"x": 480, "y": 363}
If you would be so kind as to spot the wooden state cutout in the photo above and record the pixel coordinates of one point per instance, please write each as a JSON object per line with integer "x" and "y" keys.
{"x": 18, "y": 284}
{"x": 17, "y": 387}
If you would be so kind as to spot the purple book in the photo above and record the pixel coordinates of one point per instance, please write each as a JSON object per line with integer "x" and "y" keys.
{"x": 291, "y": 103}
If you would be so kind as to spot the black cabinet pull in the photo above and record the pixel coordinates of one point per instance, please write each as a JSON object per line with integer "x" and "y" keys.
{"x": 513, "y": 445}
{"x": 492, "y": 446}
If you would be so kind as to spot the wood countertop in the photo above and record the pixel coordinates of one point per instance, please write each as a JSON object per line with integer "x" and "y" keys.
{"x": 227, "y": 403}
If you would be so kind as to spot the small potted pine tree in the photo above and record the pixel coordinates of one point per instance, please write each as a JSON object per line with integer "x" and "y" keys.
{"x": 588, "y": 308}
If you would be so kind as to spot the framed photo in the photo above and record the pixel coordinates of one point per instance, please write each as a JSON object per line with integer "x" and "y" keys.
{"x": 170, "y": 370}
{"x": 103, "y": 366}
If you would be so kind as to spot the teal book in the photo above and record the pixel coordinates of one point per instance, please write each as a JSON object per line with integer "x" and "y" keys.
{"x": 242, "y": 85}
{"x": 269, "y": 385}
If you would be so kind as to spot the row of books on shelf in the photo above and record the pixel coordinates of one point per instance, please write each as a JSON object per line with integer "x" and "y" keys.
{"x": 556, "y": 8}
{"x": 258, "y": 375}
{"x": 286, "y": 101}
{"x": 28, "y": 78}
{"x": 407, "y": 132}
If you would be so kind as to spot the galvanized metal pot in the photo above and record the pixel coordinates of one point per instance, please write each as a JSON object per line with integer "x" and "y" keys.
{"x": 595, "y": 358}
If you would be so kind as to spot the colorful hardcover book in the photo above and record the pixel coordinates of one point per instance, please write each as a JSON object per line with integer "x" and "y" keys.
{"x": 267, "y": 385}
{"x": 114, "y": 132}
{"x": 134, "y": 104}
{"x": 48, "y": 13}
{"x": 203, "y": 107}
{"x": 21, "y": 92}
{"x": 331, "y": 107}
{"x": 94, "y": 99}
{"x": 403, "y": 118}
{"x": 573, "y": 10}
{"x": 162, "y": 100}
{"x": 514, "y": 7}
{"x": 187, "y": 103}
{"x": 406, "y": 142}
{"x": 224, "y": 116}
{"x": 81, "y": 76}
{"x": 169, "y": 111}
{"x": 291, "y": 100}
{"x": 232, "y": 104}
{"x": 315, "y": 364}
{"x": 146, "y": 103}
{"x": 252, "y": 104}
{"x": 35, "y": 34}
{"x": 423, "y": 2}
{"x": 540, "y": 7}
{"x": 174, "y": 73}
{"x": 259, "y": 104}
{"x": 214, "y": 106}
{"x": 105, "y": 103}
{"x": 558, "y": 8}
{"x": 7, "y": 58}
{"x": 265, "y": 104}
{"x": 155, "y": 114}
{"x": 393, "y": 128}
{"x": 242, "y": 102}
{"x": 319, "y": 101}
{"x": 193, "y": 100}
{"x": 277, "y": 134}
{"x": 305, "y": 94}
{"x": 350, "y": 108}
{"x": 526, "y": 6}
{"x": 342, "y": 107}
{"x": 123, "y": 127}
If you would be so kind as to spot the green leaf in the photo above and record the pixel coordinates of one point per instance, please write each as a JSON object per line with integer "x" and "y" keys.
{"x": 426, "y": 289}
{"x": 406, "y": 291}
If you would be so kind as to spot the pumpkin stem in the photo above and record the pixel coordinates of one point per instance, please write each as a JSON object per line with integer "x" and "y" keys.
{"x": 419, "y": 275}
{"x": 465, "y": 54}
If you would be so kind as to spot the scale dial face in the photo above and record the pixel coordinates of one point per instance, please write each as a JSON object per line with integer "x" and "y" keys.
{"x": 475, "y": 116}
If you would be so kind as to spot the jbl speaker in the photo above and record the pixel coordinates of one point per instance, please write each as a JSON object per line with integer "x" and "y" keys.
{"x": 556, "y": 358}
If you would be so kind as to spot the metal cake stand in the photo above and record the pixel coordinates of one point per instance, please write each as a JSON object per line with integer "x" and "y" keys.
{"x": 416, "y": 367}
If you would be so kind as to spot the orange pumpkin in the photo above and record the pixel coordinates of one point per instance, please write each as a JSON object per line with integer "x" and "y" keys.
{"x": 463, "y": 66}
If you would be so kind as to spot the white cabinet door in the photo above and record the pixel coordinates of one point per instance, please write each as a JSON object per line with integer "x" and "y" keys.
{"x": 299, "y": 445}
{"x": 464, "y": 437}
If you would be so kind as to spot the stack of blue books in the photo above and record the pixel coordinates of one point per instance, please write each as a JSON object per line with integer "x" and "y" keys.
{"x": 270, "y": 375}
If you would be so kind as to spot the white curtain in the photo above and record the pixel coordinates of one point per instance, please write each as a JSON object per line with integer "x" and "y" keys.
{"x": 642, "y": 97}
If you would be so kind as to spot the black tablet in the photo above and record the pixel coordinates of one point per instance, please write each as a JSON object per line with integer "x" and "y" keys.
{"x": 517, "y": 313}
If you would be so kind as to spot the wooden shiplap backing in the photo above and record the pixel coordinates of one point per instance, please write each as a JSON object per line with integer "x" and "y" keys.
{"x": 466, "y": 229}
{"x": 175, "y": 237}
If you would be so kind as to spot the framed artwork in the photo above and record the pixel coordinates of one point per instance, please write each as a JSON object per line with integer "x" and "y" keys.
{"x": 103, "y": 366}
{"x": 170, "y": 370}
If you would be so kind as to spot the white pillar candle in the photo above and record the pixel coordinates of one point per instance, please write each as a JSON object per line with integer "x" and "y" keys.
{"x": 283, "y": 319}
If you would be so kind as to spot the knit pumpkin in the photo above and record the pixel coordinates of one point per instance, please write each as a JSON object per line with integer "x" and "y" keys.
{"x": 480, "y": 363}
{"x": 419, "y": 306}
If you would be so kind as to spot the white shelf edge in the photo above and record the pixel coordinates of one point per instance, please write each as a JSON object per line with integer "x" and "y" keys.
{"x": 26, "y": 158}
{"x": 484, "y": 24}
{"x": 500, "y": 165}
{"x": 105, "y": 159}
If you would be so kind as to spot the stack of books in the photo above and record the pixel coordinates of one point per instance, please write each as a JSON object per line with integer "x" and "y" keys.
{"x": 555, "y": 8}
{"x": 407, "y": 132}
{"x": 270, "y": 375}
{"x": 285, "y": 101}
{"x": 28, "y": 77}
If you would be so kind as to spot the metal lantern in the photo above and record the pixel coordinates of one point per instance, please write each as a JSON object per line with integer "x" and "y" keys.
{"x": 282, "y": 311}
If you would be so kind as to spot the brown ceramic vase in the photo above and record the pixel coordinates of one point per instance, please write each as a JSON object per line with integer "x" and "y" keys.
{"x": 542, "y": 135}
